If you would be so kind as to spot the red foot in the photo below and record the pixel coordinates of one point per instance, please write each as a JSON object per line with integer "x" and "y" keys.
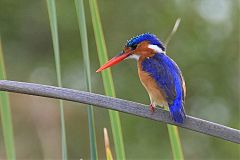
{"x": 152, "y": 107}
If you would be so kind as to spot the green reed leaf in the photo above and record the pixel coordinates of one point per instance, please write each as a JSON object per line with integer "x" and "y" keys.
{"x": 6, "y": 114}
{"x": 54, "y": 30}
{"x": 84, "y": 40}
{"x": 107, "y": 80}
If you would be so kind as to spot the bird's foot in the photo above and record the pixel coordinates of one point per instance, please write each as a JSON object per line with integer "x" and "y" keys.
{"x": 152, "y": 107}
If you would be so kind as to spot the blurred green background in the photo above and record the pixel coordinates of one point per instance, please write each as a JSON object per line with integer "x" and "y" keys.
{"x": 205, "y": 47}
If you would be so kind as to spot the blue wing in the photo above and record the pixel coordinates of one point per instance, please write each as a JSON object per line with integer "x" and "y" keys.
{"x": 168, "y": 77}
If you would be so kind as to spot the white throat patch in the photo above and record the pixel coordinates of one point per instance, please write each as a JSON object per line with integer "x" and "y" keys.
{"x": 155, "y": 48}
{"x": 134, "y": 56}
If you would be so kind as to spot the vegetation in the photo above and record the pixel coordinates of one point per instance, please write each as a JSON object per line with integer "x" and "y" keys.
{"x": 204, "y": 47}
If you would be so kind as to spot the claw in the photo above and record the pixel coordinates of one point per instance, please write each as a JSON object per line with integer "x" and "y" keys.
{"x": 152, "y": 107}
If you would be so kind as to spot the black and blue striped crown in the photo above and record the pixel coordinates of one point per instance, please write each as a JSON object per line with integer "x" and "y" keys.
{"x": 151, "y": 38}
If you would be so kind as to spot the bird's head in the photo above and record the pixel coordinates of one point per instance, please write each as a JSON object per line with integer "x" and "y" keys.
{"x": 143, "y": 45}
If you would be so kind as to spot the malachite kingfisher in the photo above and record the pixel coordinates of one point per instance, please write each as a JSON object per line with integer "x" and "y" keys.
{"x": 158, "y": 73}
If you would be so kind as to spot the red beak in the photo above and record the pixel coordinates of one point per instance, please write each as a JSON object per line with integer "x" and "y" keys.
{"x": 114, "y": 60}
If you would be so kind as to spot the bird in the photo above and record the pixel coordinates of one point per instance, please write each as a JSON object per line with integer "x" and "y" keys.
{"x": 158, "y": 73}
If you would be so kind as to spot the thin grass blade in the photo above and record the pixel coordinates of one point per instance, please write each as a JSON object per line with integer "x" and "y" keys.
{"x": 107, "y": 145}
{"x": 173, "y": 132}
{"x": 6, "y": 113}
{"x": 107, "y": 80}
{"x": 84, "y": 40}
{"x": 54, "y": 30}
{"x": 175, "y": 142}
{"x": 174, "y": 30}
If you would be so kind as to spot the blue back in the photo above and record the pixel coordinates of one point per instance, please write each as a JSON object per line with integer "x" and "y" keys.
{"x": 145, "y": 37}
{"x": 168, "y": 77}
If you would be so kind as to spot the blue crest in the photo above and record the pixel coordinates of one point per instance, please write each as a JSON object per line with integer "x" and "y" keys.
{"x": 145, "y": 37}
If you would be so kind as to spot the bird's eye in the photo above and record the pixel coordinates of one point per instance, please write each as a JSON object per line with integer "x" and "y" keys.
{"x": 134, "y": 47}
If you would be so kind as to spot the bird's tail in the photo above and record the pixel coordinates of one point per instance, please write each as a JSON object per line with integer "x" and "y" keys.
{"x": 177, "y": 112}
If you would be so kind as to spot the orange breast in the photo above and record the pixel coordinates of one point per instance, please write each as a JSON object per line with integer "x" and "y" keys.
{"x": 155, "y": 93}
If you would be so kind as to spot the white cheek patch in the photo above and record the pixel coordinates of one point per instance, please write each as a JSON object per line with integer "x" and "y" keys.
{"x": 134, "y": 56}
{"x": 155, "y": 48}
